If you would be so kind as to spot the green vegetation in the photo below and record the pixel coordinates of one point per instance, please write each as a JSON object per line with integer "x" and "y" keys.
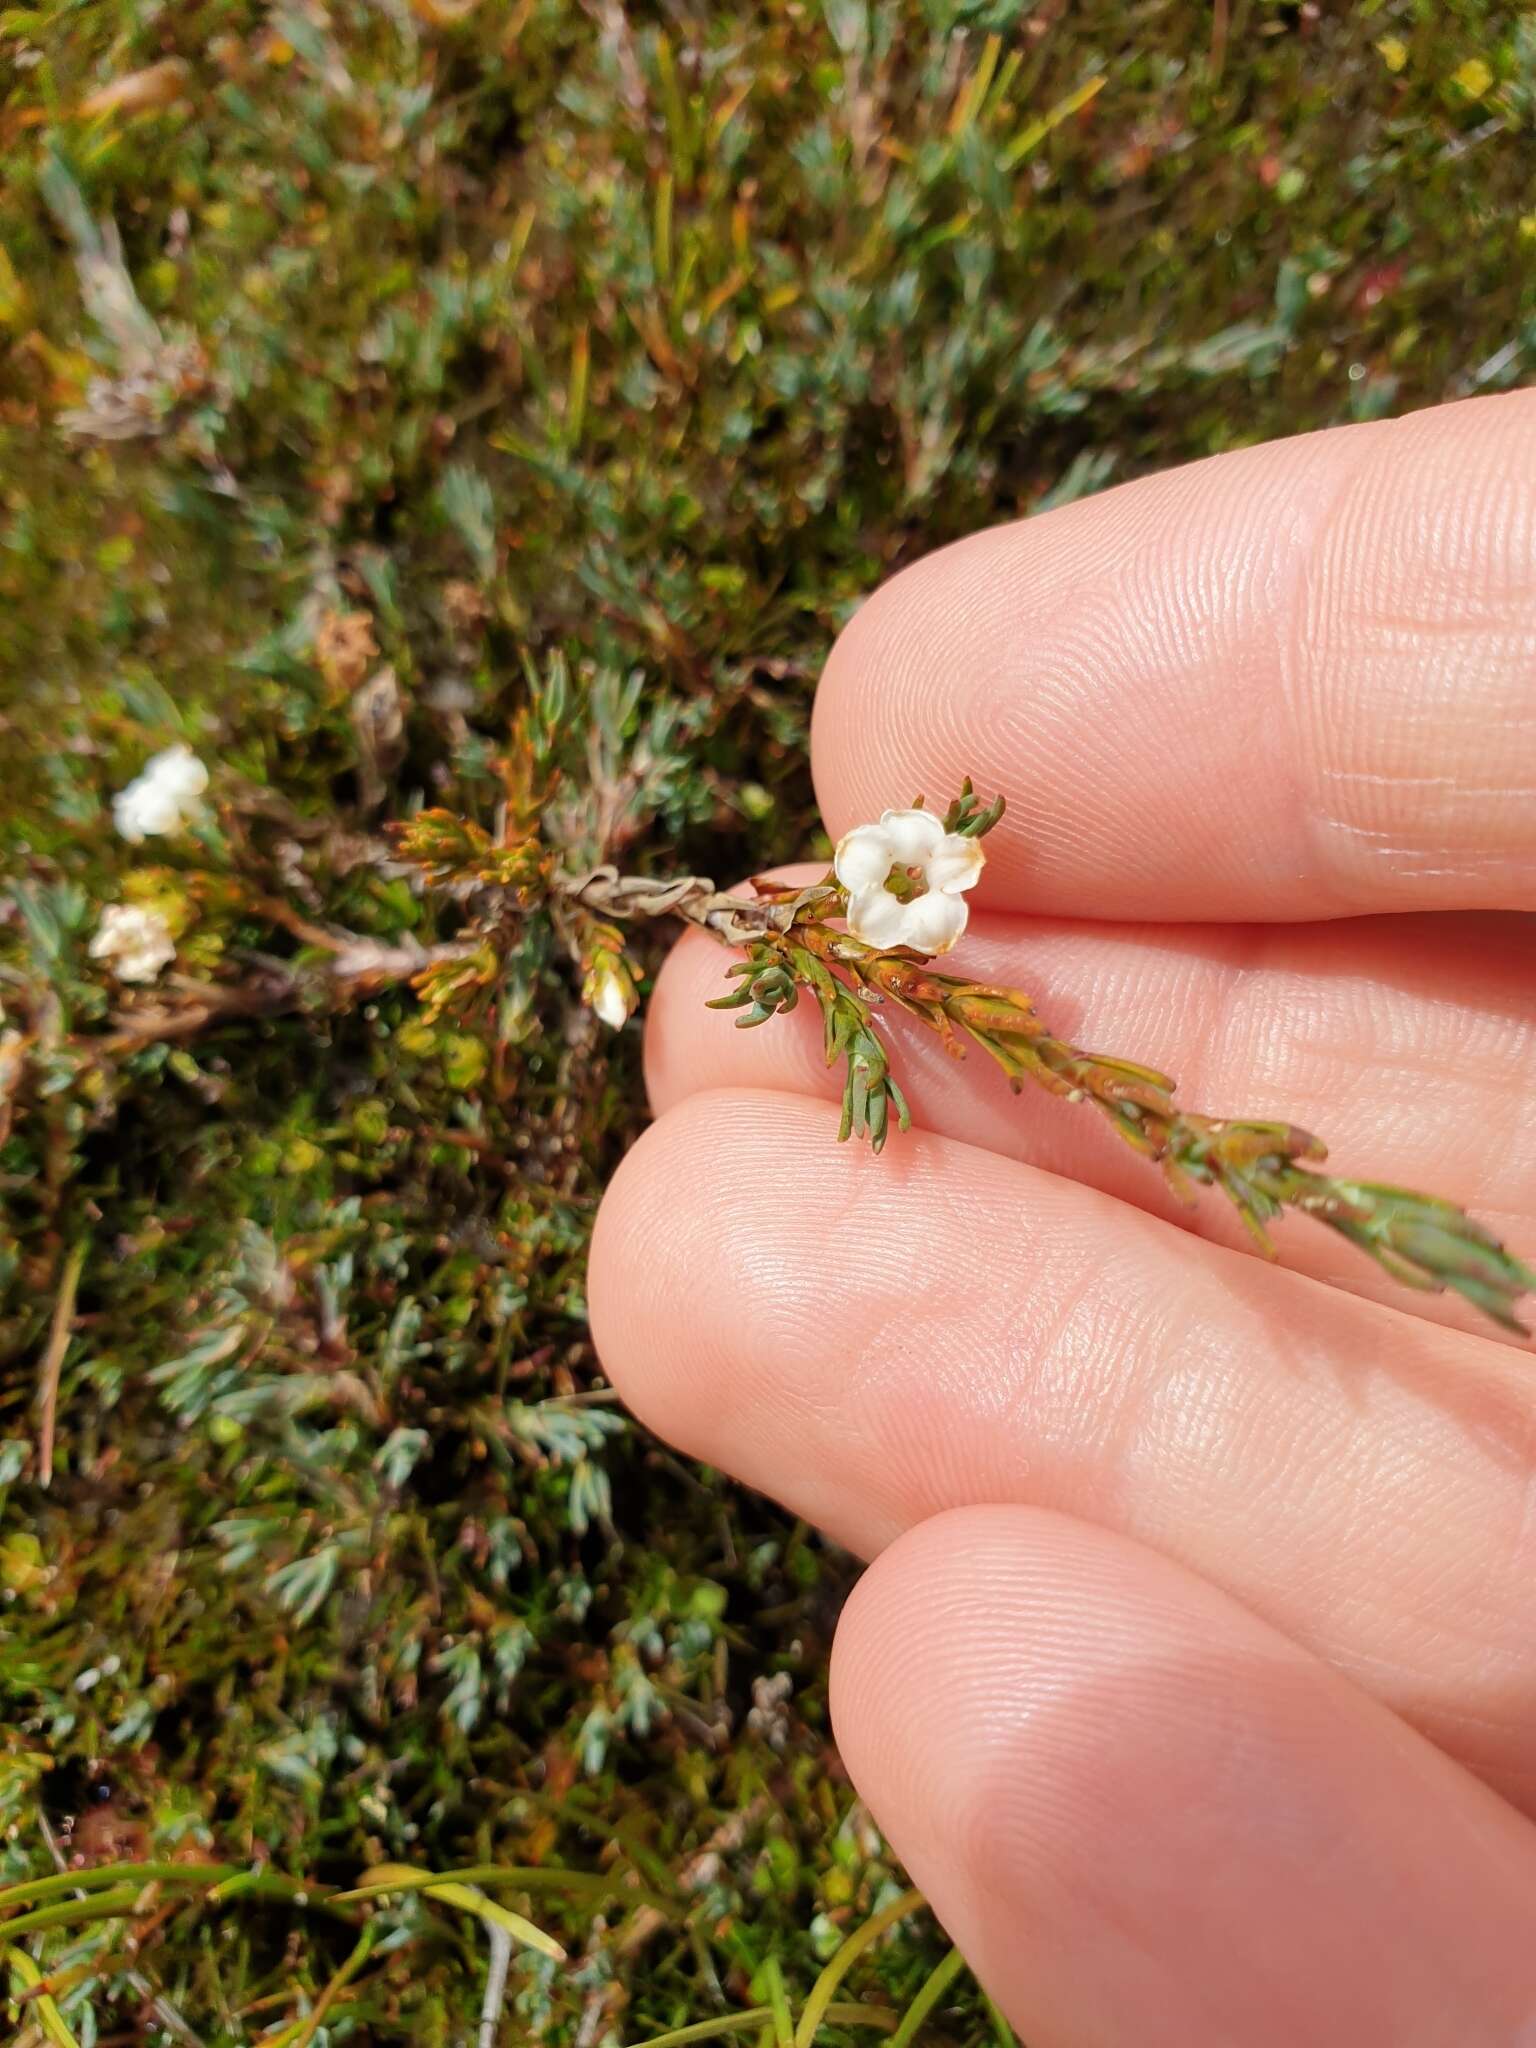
{"x": 498, "y": 408}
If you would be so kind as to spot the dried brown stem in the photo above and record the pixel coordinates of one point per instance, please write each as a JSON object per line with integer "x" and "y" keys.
{"x": 358, "y": 967}
{"x": 734, "y": 920}
{"x": 60, "y": 1329}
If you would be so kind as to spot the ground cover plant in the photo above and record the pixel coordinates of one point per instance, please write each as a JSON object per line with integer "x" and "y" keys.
{"x": 487, "y": 414}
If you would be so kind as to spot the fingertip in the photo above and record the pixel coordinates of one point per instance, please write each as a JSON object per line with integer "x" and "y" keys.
{"x": 1289, "y": 681}
{"x": 679, "y": 1254}
{"x": 1145, "y": 1815}
{"x": 891, "y": 719}
{"x": 955, "y": 1637}
{"x": 680, "y": 1028}
{"x": 690, "y": 1047}
{"x": 644, "y": 1244}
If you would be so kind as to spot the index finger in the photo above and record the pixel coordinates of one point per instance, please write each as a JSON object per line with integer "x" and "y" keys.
{"x": 1295, "y": 681}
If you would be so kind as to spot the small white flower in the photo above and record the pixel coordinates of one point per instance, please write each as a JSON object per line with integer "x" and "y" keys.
{"x": 135, "y": 942}
{"x": 946, "y": 863}
{"x": 162, "y": 797}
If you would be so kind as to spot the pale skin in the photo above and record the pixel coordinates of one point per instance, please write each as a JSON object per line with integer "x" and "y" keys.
{"x": 1194, "y": 1673}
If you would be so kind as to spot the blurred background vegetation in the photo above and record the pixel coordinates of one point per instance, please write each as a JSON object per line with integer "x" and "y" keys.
{"x": 404, "y": 398}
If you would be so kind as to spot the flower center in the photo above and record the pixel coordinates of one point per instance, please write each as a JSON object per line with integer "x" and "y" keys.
{"x": 906, "y": 883}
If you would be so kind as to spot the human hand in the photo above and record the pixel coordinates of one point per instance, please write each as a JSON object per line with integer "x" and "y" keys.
{"x": 1194, "y": 1677}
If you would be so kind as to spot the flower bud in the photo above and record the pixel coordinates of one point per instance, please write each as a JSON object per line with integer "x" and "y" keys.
{"x": 609, "y": 989}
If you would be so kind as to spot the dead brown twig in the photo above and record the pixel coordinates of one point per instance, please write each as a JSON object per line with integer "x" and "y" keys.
{"x": 60, "y": 1330}
{"x": 356, "y": 967}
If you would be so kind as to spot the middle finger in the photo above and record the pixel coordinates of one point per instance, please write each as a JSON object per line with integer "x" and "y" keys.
{"x": 1407, "y": 1043}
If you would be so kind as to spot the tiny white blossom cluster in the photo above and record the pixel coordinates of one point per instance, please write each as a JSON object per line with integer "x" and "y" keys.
{"x": 916, "y": 844}
{"x": 162, "y": 797}
{"x": 136, "y": 943}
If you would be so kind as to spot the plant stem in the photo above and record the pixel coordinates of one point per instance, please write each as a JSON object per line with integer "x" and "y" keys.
{"x": 933, "y": 1989}
{"x": 816, "y": 2005}
{"x": 59, "y": 1332}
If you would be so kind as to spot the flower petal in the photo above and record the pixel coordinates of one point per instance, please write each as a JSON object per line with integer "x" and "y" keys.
{"x": 932, "y": 923}
{"x": 913, "y": 836}
{"x": 125, "y": 815}
{"x": 178, "y": 771}
{"x": 876, "y": 917}
{"x": 957, "y": 864}
{"x": 156, "y": 810}
{"x": 865, "y": 856}
{"x": 135, "y": 941}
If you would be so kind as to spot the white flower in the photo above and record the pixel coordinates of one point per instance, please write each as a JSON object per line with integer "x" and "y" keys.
{"x": 136, "y": 942}
{"x": 915, "y": 843}
{"x": 162, "y": 797}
